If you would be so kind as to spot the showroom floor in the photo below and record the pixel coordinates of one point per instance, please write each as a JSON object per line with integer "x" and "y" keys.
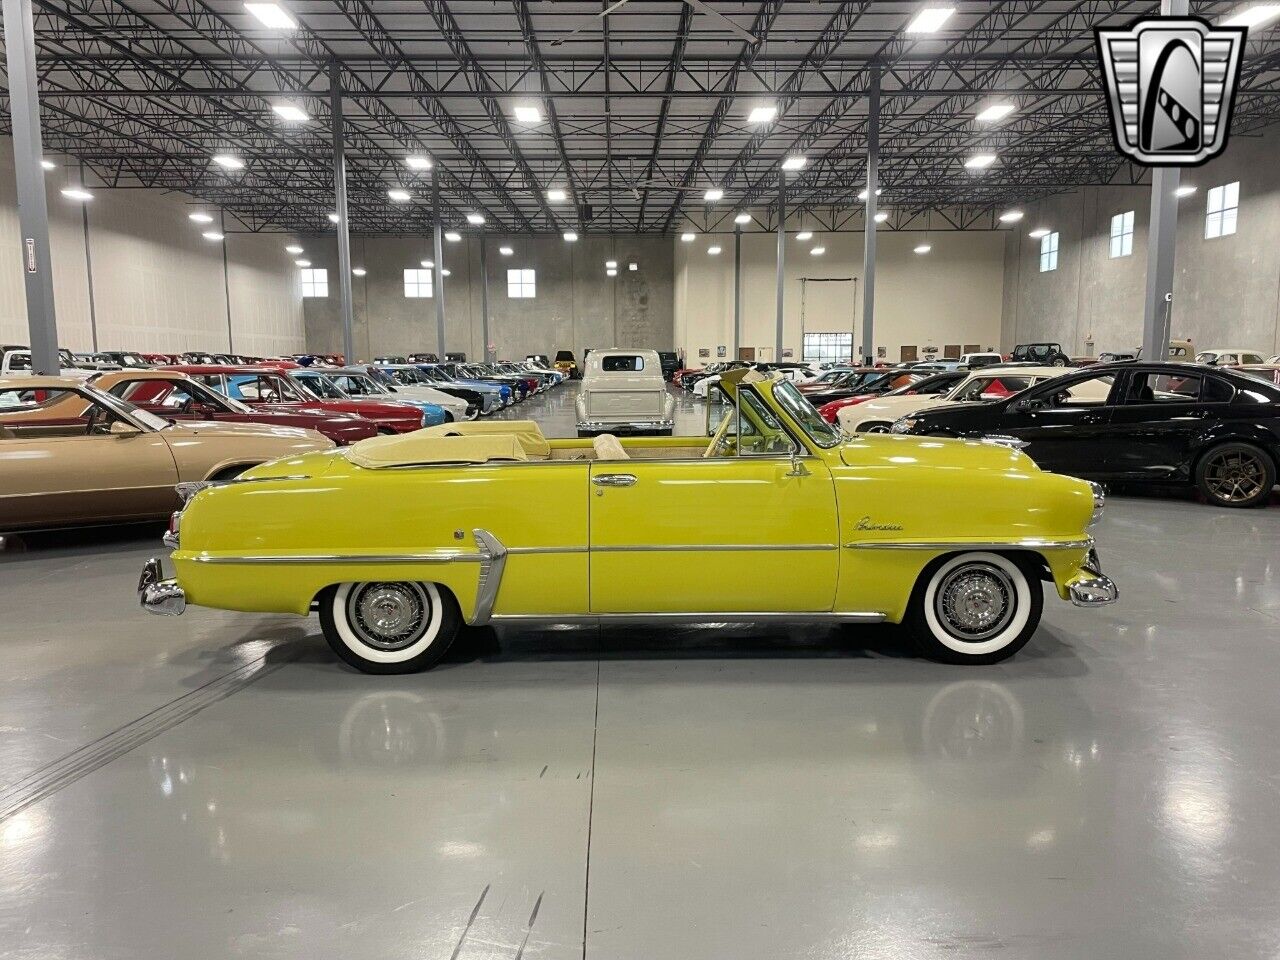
{"x": 218, "y": 785}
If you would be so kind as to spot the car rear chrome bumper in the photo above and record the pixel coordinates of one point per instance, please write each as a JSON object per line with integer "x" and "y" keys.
{"x": 1095, "y": 591}
{"x": 157, "y": 595}
{"x": 626, "y": 426}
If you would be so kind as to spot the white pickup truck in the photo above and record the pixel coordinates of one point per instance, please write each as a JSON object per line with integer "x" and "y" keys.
{"x": 623, "y": 391}
{"x": 16, "y": 362}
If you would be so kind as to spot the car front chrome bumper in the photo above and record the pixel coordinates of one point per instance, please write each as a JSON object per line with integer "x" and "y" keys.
{"x": 626, "y": 426}
{"x": 159, "y": 596}
{"x": 1094, "y": 591}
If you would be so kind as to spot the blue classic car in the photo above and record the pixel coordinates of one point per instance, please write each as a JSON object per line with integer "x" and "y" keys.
{"x": 323, "y": 386}
{"x": 441, "y": 374}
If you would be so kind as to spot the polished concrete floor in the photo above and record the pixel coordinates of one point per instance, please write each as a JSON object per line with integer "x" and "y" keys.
{"x": 218, "y": 785}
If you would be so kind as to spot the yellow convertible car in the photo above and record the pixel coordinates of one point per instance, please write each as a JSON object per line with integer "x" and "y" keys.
{"x": 399, "y": 541}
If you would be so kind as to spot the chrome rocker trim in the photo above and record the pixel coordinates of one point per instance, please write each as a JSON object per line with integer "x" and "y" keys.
{"x": 157, "y": 595}
{"x": 626, "y": 426}
{"x": 1025, "y": 544}
{"x": 1096, "y": 591}
{"x": 706, "y": 618}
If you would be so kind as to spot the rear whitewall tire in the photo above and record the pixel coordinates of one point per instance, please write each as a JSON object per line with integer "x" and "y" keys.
{"x": 428, "y": 633}
{"x": 1020, "y": 604}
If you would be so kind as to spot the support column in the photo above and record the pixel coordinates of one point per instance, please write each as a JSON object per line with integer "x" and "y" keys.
{"x": 1162, "y": 238}
{"x": 484, "y": 295}
{"x": 33, "y": 213}
{"x": 226, "y": 278}
{"x": 340, "y": 199}
{"x": 737, "y": 293}
{"x": 869, "y": 244}
{"x": 437, "y": 260}
{"x": 782, "y": 261}
{"x": 88, "y": 269}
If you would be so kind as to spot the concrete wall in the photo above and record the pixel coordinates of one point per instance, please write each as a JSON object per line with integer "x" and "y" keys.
{"x": 157, "y": 284}
{"x": 1226, "y": 290}
{"x": 577, "y": 306}
{"x": 952, "y": 294}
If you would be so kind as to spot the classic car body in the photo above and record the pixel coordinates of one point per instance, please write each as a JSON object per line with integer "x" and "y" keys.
{"x": 357, "y": 381}
{"x": 267, "y": 388}
{"x": 408, "y": 380}
{"x": 1155, "y": 423}
{"x": 321, "y": 384}
{"x": 921, "y": 383}
{"x": 73, "y": 455}
{"x": 623, "y": 391}
{"x": 1049, "y": 354}
{"x": 448, "y": 373}
{"x": 988, "y": 383}
{"x": 478, "y": 402}
{"x": 491, "y": 523}
{"x": 1229, "y": 356}
{"x": 177, "y": 396}
{"x": 567, "y": 364}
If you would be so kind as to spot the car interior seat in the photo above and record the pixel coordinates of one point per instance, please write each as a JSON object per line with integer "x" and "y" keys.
{"x": 609, "y": 447}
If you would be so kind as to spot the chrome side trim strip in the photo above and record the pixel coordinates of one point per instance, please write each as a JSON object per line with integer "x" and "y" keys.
{"x": 442, "y": 556}
{"x": 542, "y": 550}
{"x": 1026, "y": 544}
{"x": 494, "y": 560}
{"x": 706, "y": 618}
{"x": 713, "y": 547}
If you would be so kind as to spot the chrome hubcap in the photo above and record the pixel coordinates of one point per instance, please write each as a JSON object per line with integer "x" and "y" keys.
{"x": 975, "y": 601}
{"x": 388, "y": 616}
{"x": 1235, "y": 477}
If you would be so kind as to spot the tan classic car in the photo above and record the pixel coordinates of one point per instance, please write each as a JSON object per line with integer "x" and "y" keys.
{"x": 73, "y": 455}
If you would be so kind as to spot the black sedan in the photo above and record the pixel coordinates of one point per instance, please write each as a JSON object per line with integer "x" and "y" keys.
{"x": 1166, "y": 423}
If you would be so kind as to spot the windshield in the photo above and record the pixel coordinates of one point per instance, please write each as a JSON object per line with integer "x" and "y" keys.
{"x": 322, "y": 387}
{"x": 803, "y": 413}
{"x": 358, "y": 386}
{"x": 990, "y": 388}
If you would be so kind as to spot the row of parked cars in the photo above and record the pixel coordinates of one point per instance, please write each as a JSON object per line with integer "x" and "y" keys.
{"x": 109, "y": 446}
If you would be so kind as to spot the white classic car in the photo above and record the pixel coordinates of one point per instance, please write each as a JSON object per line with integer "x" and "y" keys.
{"x": 623, "y": 392}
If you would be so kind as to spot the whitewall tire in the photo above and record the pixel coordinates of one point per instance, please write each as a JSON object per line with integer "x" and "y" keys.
{"x": 389, "y": 626}
{"x": 977, "y": 607}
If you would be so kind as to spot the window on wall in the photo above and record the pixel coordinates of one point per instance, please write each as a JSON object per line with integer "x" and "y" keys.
{"x": 1049, "y": 252}
{"x": 315, "y": 282}
{"x": 522, "y": 284}
{"x": 417, "y": 283}
{"x": 828, "y": 347}
{"x": 1122, "y": 234}
{"x": 1220, "y": 212}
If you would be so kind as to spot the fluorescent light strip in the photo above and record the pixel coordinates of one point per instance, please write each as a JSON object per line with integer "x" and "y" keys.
{"x": 930, "y": 19}
{"x": 271, "y": 15}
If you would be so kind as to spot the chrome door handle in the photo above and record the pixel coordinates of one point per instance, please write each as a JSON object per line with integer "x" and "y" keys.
{"x": 614, "y": 480}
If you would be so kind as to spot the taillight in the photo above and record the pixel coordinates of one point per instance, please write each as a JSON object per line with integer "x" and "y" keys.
{"x": 171, "y": 535}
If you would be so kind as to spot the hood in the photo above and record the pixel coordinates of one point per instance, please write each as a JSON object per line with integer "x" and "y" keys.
{"x": 222, "y": 428}
{"x": 891, "y": 408}
{"x": 888, "y": 450}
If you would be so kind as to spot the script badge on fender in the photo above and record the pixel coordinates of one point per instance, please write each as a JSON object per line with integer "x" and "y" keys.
{"x": 1171, "y": 85}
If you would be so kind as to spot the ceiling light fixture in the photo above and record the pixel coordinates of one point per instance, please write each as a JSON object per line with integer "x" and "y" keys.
{"x": 358, "y": 271}
{"x": 1253, "y": 16}
{"x": 427, "y": 264}
{"x": 742, "y": 218}
{"x": 804, "y": 235}
{"x": 1011, "y": 216}
{"x": 228, "y": 162}
{"x": 570, "y": 236}
{"x": 272, "y": 15}
{"x": 762, "y": 114}
{"x": 445, "y": 272}
{"x": 334, "y": 218}
{"x": 980, "y": 161}
{"x": 290, "y": 112}
{"x": 475, "y": 219}
{"x": 396, "y": 195}
{"x": 612, "y": 273}
{"x": 418, "y": 162}
{"x": 633, "y": 266}
{"x": 76, "y": 193}
{"x": 557, "y": 195}
{"x": 1038, "y": 232}
{"x": 527, "y": 113}
{"x": 997, "y": 111}
{"x": 687, "y": 237}
{"x": 199, "y": 218}
{"x": 881, "y": 217}
{"x": 863, "y": 195}
{"x": 1185, "y": 190}
{"x": 215, "y": 235}
{"x": 48, "y": 165}
{"x": 611, "y": 264}
{"x": 452, "y": 236}
{"x": 923, "y": 248}
{"x": 301, "y": 263}
{"x": 930, "y": 19}
{"x": 713, "y": 251}
{"x": 294, "y": 249}
{"x": 712, "y": 195}
{"x": 506, "y": 251}
{"x": 794, "y": 162}
{"x": 817, "y": 251}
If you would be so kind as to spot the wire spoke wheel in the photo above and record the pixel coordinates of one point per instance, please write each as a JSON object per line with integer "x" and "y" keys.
{"x": 388, "y": 616}
{"x": 975, "y": 601}
{"x": 1235, "y": 476}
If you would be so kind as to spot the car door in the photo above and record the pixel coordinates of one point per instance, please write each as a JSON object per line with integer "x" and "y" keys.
{"x": 1161, "y": 414}
{"x": 61, "y": 465}
{"x": 742, "y": 531}
{"x": 1065, "y": 423}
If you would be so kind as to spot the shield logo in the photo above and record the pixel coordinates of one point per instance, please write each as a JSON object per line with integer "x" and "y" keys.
{"x": 1171, "y": 86}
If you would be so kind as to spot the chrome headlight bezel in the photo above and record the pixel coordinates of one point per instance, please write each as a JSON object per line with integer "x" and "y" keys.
{"x": 903, "y": 425}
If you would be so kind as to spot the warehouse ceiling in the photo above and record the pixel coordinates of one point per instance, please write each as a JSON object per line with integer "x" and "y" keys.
{"x": 638, "y": 112}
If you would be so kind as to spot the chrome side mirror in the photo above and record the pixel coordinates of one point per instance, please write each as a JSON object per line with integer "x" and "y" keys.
{"x": 798, "y": 469}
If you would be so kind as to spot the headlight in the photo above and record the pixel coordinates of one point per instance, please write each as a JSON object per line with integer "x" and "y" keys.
{"x": 904, "y": 425}
{"x": 1099, "y": 501}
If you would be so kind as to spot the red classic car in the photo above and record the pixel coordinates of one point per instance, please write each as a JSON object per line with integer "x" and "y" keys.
{"x": 176, "y": 396}
{"x": 258, "y": 387}
{"x": 925, "y": 384}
